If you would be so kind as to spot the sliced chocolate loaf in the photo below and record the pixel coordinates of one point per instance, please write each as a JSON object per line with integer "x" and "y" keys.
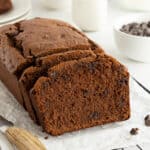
{"x": 63, "y": 79}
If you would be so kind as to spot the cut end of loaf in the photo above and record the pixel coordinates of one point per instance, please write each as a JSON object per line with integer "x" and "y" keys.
{"x": 81, "y": 94}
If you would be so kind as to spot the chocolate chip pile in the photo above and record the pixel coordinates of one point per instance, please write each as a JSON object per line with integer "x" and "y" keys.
{"x": 139, "y": 29}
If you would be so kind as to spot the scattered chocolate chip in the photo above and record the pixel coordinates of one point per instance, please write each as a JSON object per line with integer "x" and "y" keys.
{"x": 91, "y": 67}
{"x": 46, "y": 137}
{"x": 53, "y": 75}
{"x": 94, "y": 115}
{"x": 139, "y": 29}
{"x": 147, "y": 120}
{"x": 105, "y": 93}
{"x": 45, "y": 85}
{"x": 85, "y": 93}
{"x": 66, "y": 77}
{"x": 123, "y": 81}
{"x": 134, "y": 131}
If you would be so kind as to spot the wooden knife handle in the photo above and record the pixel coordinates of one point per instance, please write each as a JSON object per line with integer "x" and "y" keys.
{"x": 23, "y": 139}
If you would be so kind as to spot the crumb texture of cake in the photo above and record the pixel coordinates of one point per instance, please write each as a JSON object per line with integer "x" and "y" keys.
{"x": 63, "y": 79}
{"x": 90, "y": 91}
{"x": 5, "y": 5}
{"x": 31, "y": 74}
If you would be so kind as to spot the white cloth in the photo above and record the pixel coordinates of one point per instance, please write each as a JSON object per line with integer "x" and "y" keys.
{"x": 96, "y": 138}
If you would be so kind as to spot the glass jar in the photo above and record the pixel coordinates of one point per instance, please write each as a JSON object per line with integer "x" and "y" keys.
{"x": 89, "y": 15}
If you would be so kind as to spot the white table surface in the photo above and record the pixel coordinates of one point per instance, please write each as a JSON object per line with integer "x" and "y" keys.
{"x": 105, "y": 38}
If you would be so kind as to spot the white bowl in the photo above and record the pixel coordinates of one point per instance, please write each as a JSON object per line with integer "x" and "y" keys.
{"x": 131, "y": 46}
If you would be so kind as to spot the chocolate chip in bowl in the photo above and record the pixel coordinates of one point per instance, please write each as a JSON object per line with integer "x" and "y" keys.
{"x": 139, "y": 29}
{"x": 132, "y": 37}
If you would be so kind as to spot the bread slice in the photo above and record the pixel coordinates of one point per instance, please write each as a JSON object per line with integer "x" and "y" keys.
{"x": 81, "y": 94}
{"x": 31, "y": 74}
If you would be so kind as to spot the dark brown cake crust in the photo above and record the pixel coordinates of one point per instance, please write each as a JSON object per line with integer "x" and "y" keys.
{"x": 5, "y": 5}
{"x": 63, "y": 79}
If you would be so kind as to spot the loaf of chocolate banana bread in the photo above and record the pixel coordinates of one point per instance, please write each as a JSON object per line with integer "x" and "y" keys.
{"x": 5, "y": 5}
{"x": 63, "y": 79}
